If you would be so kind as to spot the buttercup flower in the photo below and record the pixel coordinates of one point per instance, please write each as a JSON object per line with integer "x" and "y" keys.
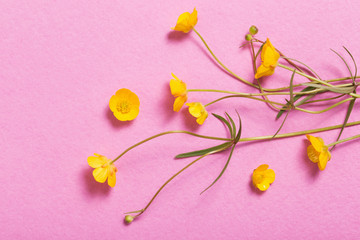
{"x": 269, "y": 59}
{"x": 104, "y": 169}
{"x": 186, "y": 22}
{"x": 318, "y": 152}
{"x": 198, "y": 110}
{"x": 262, "y": 177}
{"x": 178, "y": 90}
{"x": 124, "y": 105}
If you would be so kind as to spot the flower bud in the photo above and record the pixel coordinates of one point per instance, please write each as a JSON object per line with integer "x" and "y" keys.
{"x": 248, "y": 37}
{"x": 253, "y": 30}
{"x": 129, "y": 219}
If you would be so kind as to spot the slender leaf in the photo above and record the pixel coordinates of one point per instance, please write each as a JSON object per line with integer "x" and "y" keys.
{"x": 232, "y": 123}
{"x": 203, "y": 151}
{"x": 332, "y": 89}
{"x": 297, "y": 97}
{"x": 223, "y": 170}
{"x": 225, "y": 122}
{"x": 238, "y": 135}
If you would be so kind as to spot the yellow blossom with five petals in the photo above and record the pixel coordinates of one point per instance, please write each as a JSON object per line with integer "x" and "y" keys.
{"x": 269, "y": 60}
{"x": 124, "y": 105}
{"x": 318, "y": 152}
{"x": 178, "y": 90}
{"x": 186, "y": 22}
{"x": 262, "y": 177}
{"x": 104, "y": 169}
{"x": 198, "y": 110}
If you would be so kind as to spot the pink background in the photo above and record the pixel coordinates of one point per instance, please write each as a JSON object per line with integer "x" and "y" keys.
{"x": 60, "y": 62}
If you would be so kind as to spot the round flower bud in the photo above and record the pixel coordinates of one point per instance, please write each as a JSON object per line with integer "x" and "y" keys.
{"x": 253, "y": 30}
{"x": 248, "y": 37}
{"x": 129, "y": 218}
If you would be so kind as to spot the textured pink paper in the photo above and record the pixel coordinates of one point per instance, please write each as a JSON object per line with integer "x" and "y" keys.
{"x": 60, "y": 62}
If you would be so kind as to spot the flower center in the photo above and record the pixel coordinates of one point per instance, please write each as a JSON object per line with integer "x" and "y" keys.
{"x": 258, "y": 178}
{"x": 123, "y": 107}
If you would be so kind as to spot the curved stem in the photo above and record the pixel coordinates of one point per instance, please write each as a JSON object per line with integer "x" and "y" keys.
{"x": 221, "y": 64}
{"x": 344, "y": 140}
{"x": 293, "y": 134}
{"x": 326, "y": 109}
{"x": 171, "y": 178}
{"x": 256, "y": 94}
{"x": 164, "y": 133}
{"x": 306, "y": 75}
{"x": 236, "y": 95}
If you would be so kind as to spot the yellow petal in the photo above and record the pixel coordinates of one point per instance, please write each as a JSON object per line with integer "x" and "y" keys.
{"x": 196, "y": 109}
{"x": 112, "y": 176}
{"x": 261, "y": 168}
{"x": 323, "y": 159}
{"x": 179, "y": 102}
{"x": 177, "y": 87}
{"x": 113, "y": 103}
{"x": 262, "y": 186}
{"x": 263, "y": 71}
{"x": 193, "y": 18}
{"x": 316, "y": 142}
{"x": 97, "y": 161}
{"x": 269, "y": 56}
{"x": 200, "y": 120}
{"x": 100, "y": 174}
{"x": 313, "y": 154}
{"x": 269, "y": 176}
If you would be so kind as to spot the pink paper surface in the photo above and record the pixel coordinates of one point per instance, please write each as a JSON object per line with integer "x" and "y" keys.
{"x": 61, "y": 61}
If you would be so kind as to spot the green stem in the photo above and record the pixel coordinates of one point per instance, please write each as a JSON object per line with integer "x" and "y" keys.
{"x": 293, "y": 134}
{"x": 237, "y": 95}
{"x": 326, "y": 109}
{"x": 344, "y": 140}
{"x": 221, "y": 64}
{"x": 306, "y": 75}
{"x": 256, "y": 94}
{"x": 171, "y": 178}
{"x": 164, "y": 133}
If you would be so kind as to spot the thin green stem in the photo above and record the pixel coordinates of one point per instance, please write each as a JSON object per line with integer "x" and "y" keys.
{"x": 306, "y": 75}
{"x": 293, "y": 134}
{"x": 326, "y": 109}
{"x": 237, "y": 95}
{"x": 171, "y": 178}
{"x": 164, "y": 133}
{"x": 221, "y": 64}
{"x": 344, "y": 140}
{"x": 256, "y": 94}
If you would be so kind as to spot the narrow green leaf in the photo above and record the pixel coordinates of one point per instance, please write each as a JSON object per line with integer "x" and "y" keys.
{"x": 350, "y": 108}
{"x": 347, "y": 65}
{"x": 225, "y": 122}
{"x": 232, "y": 123}
{"x": 238, "y": 135}
{"x": 223, "y": 170}
{"x": 332, "y": 89}
{"x": 203, "y": 151}
{"x": 290, "y": 103}
{"x": 297, "y": 97}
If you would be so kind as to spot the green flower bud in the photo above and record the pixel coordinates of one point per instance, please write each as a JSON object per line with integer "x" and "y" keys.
{"x": 253, "y": 30}
{"x": 248, "y": 37}
{"x": 129, "y": 219}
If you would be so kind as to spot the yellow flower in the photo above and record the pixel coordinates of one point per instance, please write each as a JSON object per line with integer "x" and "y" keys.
{"x": 262, "y": 177}
{"x": 318, "y": 152}
{"x": 104, "y": 169}
{"x": 178, "y": 90}
{"x": 198, "y": 110}
{"x": 269, "y": 59}
{"x": 124, "y": 105}
{"x": 186, "y": 22}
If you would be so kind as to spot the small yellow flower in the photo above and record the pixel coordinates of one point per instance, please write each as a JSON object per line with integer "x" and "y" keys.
{"x": 178, "y": 90}
{"x": 186, "y": 22}
{"x": 262, "y": 177}
{"x": 269, "y": 59}
{"x": 318, "y": 152}
{"x": 198, "y": 110}
{"x": 124, "y": 105}
{"x": 104, "y": 169}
